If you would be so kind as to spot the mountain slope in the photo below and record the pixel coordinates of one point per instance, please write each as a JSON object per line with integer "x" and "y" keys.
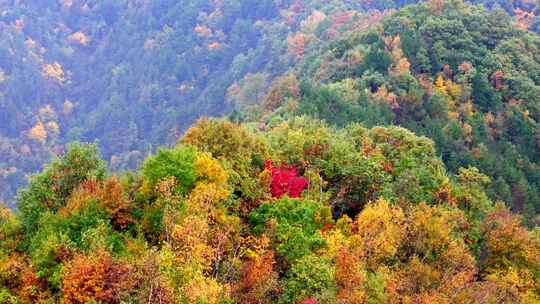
{"x": 135, "y": 74}
{"x": 466, "y": 77}
{"x": 284, "y": 207}
{"x": 131, "y": 74}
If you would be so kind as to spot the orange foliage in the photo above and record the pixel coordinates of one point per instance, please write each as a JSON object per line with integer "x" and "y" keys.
{"x": 258, "y": 280}
{"x": 190, "y": 242}
{"x": 401, "y": 64}
{"x": 22, "y": 280}
{"x": 497, "y": 80}
{"x": 281, "y": 88}
{"x": 387, "y": 97}
{"x": 115, "y": 201}
{"x": 32, "y": 289}
{"x": 487, "y": 292}
{"x": 38, "y": 133}
{"x": 214, "y": 45}
{"x": 79, "y": 198}
{"x": 524, "y": 18}
{"x": 110, "y": 195}
{"x": 465, "y": 67}
{"x": 507, "y": 242}
{"x": 310, "y": 24}
{"x": 54, "y": 71}
{"x": 203, "y": 31}
{"x": 429, "y": 233}
{"x": 47, "y": 113}
{"x": 342, "y": 18}
{"x": 158, "y": 291}
{"x": 79, "y": 37}
{"x": 96, "y": 278}
{"x": 350, "y": 278}
{"x": 297, "y": 44}
{"x": 436, "y": 6}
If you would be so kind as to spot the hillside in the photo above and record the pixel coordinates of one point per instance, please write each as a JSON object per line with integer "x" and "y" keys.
{"x": 133, "y": 75}
{"x": 461, "y": 75}
{"x": 371, "y": 153}
{"x": 297, "y": 213}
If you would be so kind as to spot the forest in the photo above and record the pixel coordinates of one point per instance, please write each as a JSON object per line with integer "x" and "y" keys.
{"x": 134, "y": 75}
{"x": 465, "y": 77}
{"x": 300, "y": 212}
{"x": 274, "y": 151}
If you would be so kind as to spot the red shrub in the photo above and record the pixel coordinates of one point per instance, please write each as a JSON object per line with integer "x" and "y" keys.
{"x": 285, "y": 180}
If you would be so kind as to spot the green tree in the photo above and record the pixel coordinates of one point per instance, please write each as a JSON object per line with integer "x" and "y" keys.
{"x": 178, "y": 163}
{"x": 49, "y": 190}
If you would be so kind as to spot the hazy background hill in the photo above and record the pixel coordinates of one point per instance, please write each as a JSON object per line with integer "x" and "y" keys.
{"x": 133, "y": 75}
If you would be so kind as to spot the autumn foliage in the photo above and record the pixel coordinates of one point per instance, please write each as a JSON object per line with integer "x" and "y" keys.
{"x": 258, "y": 280}
{"x": 285, "y": 181}
{"x": 96, "y": 278}
{"x": 209, "y": 221}
{"x": 317, "y": 189}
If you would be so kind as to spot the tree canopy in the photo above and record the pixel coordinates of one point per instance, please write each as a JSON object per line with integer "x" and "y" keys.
{"x": 379, "y": 220}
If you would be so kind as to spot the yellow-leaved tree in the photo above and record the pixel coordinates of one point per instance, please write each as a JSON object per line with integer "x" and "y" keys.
{"x": 38, "y": 133}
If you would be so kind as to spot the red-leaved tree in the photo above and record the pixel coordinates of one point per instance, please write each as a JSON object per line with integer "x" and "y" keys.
{"x": 285, "y": 180}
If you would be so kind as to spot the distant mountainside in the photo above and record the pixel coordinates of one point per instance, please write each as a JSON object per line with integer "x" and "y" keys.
{"x": 135, "y": 74}
{"x": 130, "y": 74}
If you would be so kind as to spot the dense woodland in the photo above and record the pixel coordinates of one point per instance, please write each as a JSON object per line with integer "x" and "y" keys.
{"x": 300, "y": 212}
{"x": 371, "y": 152}
{"x": 465, "y": 77}
{"x": 133, "y": 75}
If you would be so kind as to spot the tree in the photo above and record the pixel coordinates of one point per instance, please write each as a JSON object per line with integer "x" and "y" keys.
{"x": 285, "y": 181}
{"x": 380, "y": 233}
{"x": 351, "y": 277}
{"x": 258, "y": 281}
{"x": 178, "y": 163}
{"x": 240, "y": 148}
{"x": 38, "y": 133}
{"x": 50, "y": 189}
{"x": 310, "y": 277}
{"x": 113, "y": 198}
{"x": 297, "y": 225}
{"x": 55, "y": 72}
{"x": 249, "y": 92}
{"x": 297, "y": 44}
{"x": 507, "y": 244}
{"x": 483, "y": 94}
{"x": 96, "y": 278}
{"x": 281, "y": 88}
